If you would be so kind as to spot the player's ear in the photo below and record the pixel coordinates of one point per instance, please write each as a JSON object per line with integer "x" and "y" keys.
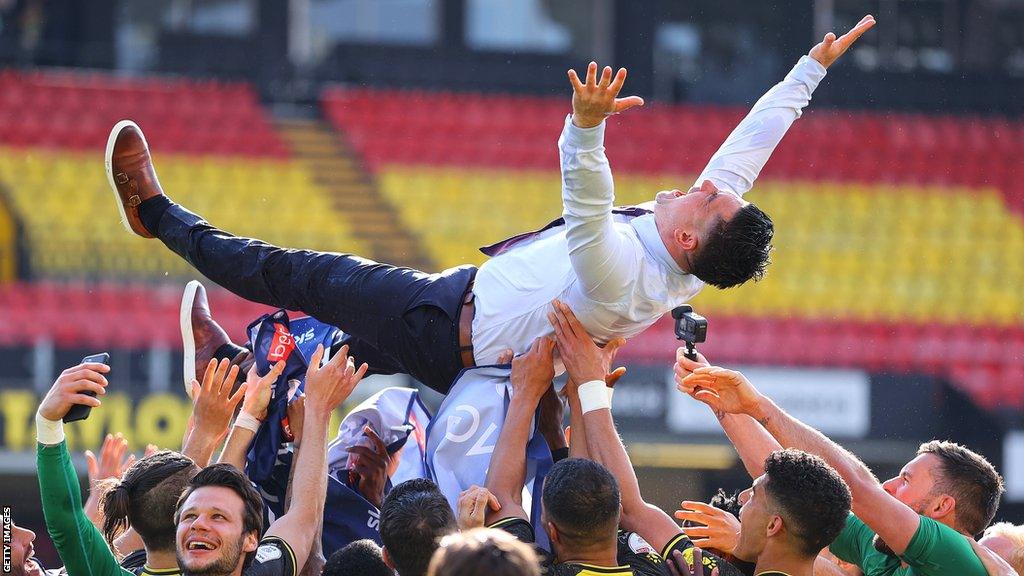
{"x": 552, "y": 531}
{"x": 774, "y": 526}
{"x": 685, "y": 239}
{"x": 252, "y": 541}
{"x": 386, "y": 557}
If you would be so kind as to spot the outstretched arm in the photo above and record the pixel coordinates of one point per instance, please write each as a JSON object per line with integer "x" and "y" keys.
{"x": 752, "y": 442}
{"x": 729, "y": 391}
{"x": 531, "y": 377}
{"x": 326, "y": 388}
{"x": 603, "y": 259}
{"x": 736, "y": 165}
{"x": 584, "y": 363}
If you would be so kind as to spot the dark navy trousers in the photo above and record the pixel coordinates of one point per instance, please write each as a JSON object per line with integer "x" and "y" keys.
{"x": 398, "y": 320}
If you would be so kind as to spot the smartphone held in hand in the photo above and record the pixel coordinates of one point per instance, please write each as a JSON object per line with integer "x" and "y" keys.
{"x": 81, "y": 411}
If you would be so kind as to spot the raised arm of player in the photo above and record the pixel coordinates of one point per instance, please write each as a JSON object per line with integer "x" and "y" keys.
{"x": 531, "y": 377}
{"x": 604, "y": 260}
{"x": 752, "y": 442}
{"x": 213, "y": 405}
{"x": 254, "y": 406}
{"x": 584, "y": 363}
{"x": 736, "y": 165}
{"x": 326, "y": 388}
{"x": 729, "y": 391}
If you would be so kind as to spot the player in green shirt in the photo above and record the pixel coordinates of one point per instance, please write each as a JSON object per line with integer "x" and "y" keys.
{"x": 916, "y": 523}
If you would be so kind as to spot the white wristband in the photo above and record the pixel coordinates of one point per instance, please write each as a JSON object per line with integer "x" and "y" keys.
{"x": 594, "y": 396}
{"x": 247, "y": 421}
{"x": 611, "y": 391}
{"x": 49, "y": 432}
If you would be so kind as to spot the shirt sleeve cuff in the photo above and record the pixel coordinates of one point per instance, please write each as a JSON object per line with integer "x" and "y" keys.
{"x": 808, "y": 72}
{"x": 49, "y": 432}
{"x": 582, "y": 138}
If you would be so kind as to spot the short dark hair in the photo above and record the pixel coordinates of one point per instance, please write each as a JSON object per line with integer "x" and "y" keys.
{"x": 812, "y": 498}
{"x": 360, "y": 557}
{"x": 414, "y": 517}
{"x": 147, "y": 497}
{"x": 582, "y": 499}
{"x": 735, "y": 250}
{"x": 970, "y": 479}
{"x": 727, "y": 502}
{"x": 226, "y": 475}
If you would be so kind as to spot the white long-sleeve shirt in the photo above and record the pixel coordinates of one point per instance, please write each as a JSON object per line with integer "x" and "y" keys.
{"x": 616, "y": 274}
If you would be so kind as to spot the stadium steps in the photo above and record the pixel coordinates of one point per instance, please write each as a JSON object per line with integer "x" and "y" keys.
{"x": 334, "y": 165}
{"x": 9, "y": 248}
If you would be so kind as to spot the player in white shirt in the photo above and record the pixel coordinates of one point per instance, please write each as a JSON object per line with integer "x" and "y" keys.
{"x": 619, "y": 272}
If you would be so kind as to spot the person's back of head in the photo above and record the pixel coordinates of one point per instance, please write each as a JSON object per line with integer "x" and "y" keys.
{"x": 736, "y": 250}
{"x": 1006, "y": 540}
{"x": 361, "y": 557}
{"x": 581, "y": 506}
{"x": 970, "y": 480}
{"x": 810, "y": 496}
{"x": 483, "y": 552}
{"x": 414, "y": 517}
{"x": 146, "y": 497}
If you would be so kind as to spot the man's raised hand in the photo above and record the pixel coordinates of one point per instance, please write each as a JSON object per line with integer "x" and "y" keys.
{"x": 328, "y": 386}
{"x": 583, "y": 360}
{"x": 831, "y": 48}
{"x": 258, "y": 390}
{"x": 533, "y": 372}
{"x": 69, "y": 387}
{"x": 594, "y": 100}
{"x": 723, "y": 390}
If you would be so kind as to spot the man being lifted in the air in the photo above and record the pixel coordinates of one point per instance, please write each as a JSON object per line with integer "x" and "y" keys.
{"x": 618, "y": 270}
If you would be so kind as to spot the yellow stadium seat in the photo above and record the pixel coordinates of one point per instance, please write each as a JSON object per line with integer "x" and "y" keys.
{"x": 71, "y": 221}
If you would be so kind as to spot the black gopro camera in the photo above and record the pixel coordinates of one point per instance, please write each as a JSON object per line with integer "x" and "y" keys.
{"x": 691, "y": 328}
{"x": 81, "y": 411}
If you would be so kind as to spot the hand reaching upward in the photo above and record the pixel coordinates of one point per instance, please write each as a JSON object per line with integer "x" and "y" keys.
{"x": 831, "y": 48}
{"x": 594, "y": 100}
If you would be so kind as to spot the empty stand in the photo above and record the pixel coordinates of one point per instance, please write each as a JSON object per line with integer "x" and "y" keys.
{"x": 215, "y": 149}
{"x": 72, "y": 227}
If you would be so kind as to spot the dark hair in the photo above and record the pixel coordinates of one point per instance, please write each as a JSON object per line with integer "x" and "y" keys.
{"x": 226, "y": 475}
{"x": 735, "y": 250}
{"x": 146, "y": 498}
{"x": 484, "y": 552}
{"x": 413, "y": 518}
{"x": 813, "y": 500}
{"x": 581, "y": 498}
{"x": 728, "y": 502}
{"x": 360, "y": 557}
{"x": 970, "y": 479}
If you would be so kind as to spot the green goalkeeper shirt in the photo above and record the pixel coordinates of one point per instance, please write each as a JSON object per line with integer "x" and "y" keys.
{"x": 80, "y": 545}
{"x": 935, "y": 550}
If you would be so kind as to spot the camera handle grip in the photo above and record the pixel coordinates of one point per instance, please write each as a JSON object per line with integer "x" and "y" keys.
{"x": 691, "y": 351}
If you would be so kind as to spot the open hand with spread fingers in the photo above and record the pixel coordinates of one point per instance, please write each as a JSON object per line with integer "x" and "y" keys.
{"x": 718, "y": 530}
{"x": 330, "y": 385}
{"x": 831, "y": 48}
{"x": 213, "y": 402}
{"x": 723, "y": 390}
{"x": 595, "y": 99}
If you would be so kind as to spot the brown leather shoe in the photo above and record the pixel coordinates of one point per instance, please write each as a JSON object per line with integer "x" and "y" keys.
{"x": 130, "y": 173}
{"x": 203, "y": 338}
